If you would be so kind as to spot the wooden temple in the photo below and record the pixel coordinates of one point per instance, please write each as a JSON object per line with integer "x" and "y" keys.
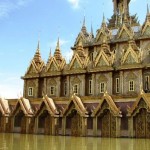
{"x": 104, "y": 91}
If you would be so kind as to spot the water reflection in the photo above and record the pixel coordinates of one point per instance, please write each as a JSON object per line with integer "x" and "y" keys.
{"x": 41, "y": 142}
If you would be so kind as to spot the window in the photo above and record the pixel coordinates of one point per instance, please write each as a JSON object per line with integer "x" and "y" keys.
{"x": 52, "y": 90}
{"x": 131, "y": 85}
{"x": 90, "y": 86}
{"x": 102, "y": 87}
{"x": 65, "y": 88}
{"x": 75, "y": 88}
{"x": 30, "y": 91}
{"x": 117, "y": 85}
{"x": 146, "y": 82}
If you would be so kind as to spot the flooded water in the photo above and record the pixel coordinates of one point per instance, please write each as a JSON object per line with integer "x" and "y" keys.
{"x": 42, "y": 142}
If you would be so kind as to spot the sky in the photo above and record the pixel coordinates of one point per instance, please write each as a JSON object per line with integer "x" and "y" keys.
{"x": 24, "y": 22}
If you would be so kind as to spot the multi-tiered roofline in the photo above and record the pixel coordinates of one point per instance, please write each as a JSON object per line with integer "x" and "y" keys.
{"x": 125, "y": 30}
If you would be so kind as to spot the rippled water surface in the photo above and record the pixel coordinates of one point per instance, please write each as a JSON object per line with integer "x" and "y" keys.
{"x": 42, "y": 142}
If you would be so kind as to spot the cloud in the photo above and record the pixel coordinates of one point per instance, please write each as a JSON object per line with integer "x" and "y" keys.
{"x": 8, "y": 6}
{"x": 74, "y": 3}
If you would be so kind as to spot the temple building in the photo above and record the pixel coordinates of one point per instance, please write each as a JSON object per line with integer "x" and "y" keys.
{"x": 103, "y": 91}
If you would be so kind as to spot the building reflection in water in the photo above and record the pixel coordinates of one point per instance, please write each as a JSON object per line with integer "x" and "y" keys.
{"x": 41, "y": 142}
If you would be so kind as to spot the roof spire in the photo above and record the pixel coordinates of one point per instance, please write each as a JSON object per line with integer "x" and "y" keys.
{"x": 58, "y": 47}
{"x": 50, "y": 55}
{"x": 37, "y": 56}
{"x": 147, "y": 9}
{"x": 57, "y": 53}
{"x": 103, "y": 22}
{"x": 83, "y": 26}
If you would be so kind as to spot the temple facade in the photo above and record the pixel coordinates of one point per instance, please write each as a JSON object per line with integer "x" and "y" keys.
{"x": 103, "y": 91}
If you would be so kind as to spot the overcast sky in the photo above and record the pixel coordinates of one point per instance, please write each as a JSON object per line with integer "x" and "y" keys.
{"x": 23, "y": 22}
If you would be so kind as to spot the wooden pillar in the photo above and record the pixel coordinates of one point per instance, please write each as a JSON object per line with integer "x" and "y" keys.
{"x": 63, "y": 125}
{"x": 12, "y": 120}
{"x": 118, "y": 126}
{"x": 36, "y": 94}
{"x": 94, "y": 126}
{"x": 27, "y": 124}
{"x": 115, "y": 6}
{"x": 25, "y": 89}
{"x": 58, "y": 87}
{"x": 83, "y": 86}
{"x": 121, "y": 82}
{"x": 68, "y": 86}
{"x": 84, "y": 126}
{"x": 45, "y": 86}
{"x": 36, "y": 125}
{"x": 110, "y": 88}
{"x": 130, "y": 127}
{"x": 93, "y": 84}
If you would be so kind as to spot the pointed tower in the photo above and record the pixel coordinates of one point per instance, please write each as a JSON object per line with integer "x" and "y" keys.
{"x": 37, "y": 56}
{"x": 121, "y": 9}
{"x": 103, "y": 32}
{"x": 82, "y": 36}
{"x": 57, "y": 53}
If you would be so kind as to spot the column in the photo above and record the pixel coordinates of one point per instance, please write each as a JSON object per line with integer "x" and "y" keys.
{"x": 118, "y": 126}
{"x": 25, "y": 88}
{"x": 36, "y": 89}
{"x": 93, "y": 84}
{"x": 27, "y": 124}
{"x": 64, "y": 126}
{"x": 111, "y": 84}
{"x": 83, "y": 86}
{"x": 94, "y": 126}
{"x": 45, "y": 86}
{"x": 36, "y": 125}
{"x": 121, "y": 82}
{"x": 68, "y": 86}
{"x": 130, "y": 126}
{"x": 58, "y": 86}
{"x": 115, "y": 6}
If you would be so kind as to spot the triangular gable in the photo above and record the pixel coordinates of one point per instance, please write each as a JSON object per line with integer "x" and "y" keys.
{"x": 142, "y": 97}
{"x": 100, "y": 36}
{"x": 4, "y": 106}
{"x": 49, "y": 106}
{"x": 75, "y": 100}
{"x": 80, "y": 37}
{"x": 25, "y": 106}
{"x": 146, "y": 29}
{"x": 76, "y": 62}
{"x": 124, "y": 32}
{"x": 102, "y": 59}
{"x": 32, "y": 68}
{"x": 130, "y": 57}
{"x": 35, "y": 68}
{"x": 112, "y": 106}
{"x": 52, "y": 65}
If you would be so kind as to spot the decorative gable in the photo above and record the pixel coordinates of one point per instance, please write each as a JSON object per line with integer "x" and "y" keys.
{"x": 100, "y": 36}
{"x": 76, "y": 62}
{"x": 31, "y": 69}
{"x": 52, "y": 66}
{"x": 80, "y": 38}
{"x": 131, "y": 57}
{"x": 146, "y": 29}
{"x": 124, "y": 32}
{"x": 102, "y": 59}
